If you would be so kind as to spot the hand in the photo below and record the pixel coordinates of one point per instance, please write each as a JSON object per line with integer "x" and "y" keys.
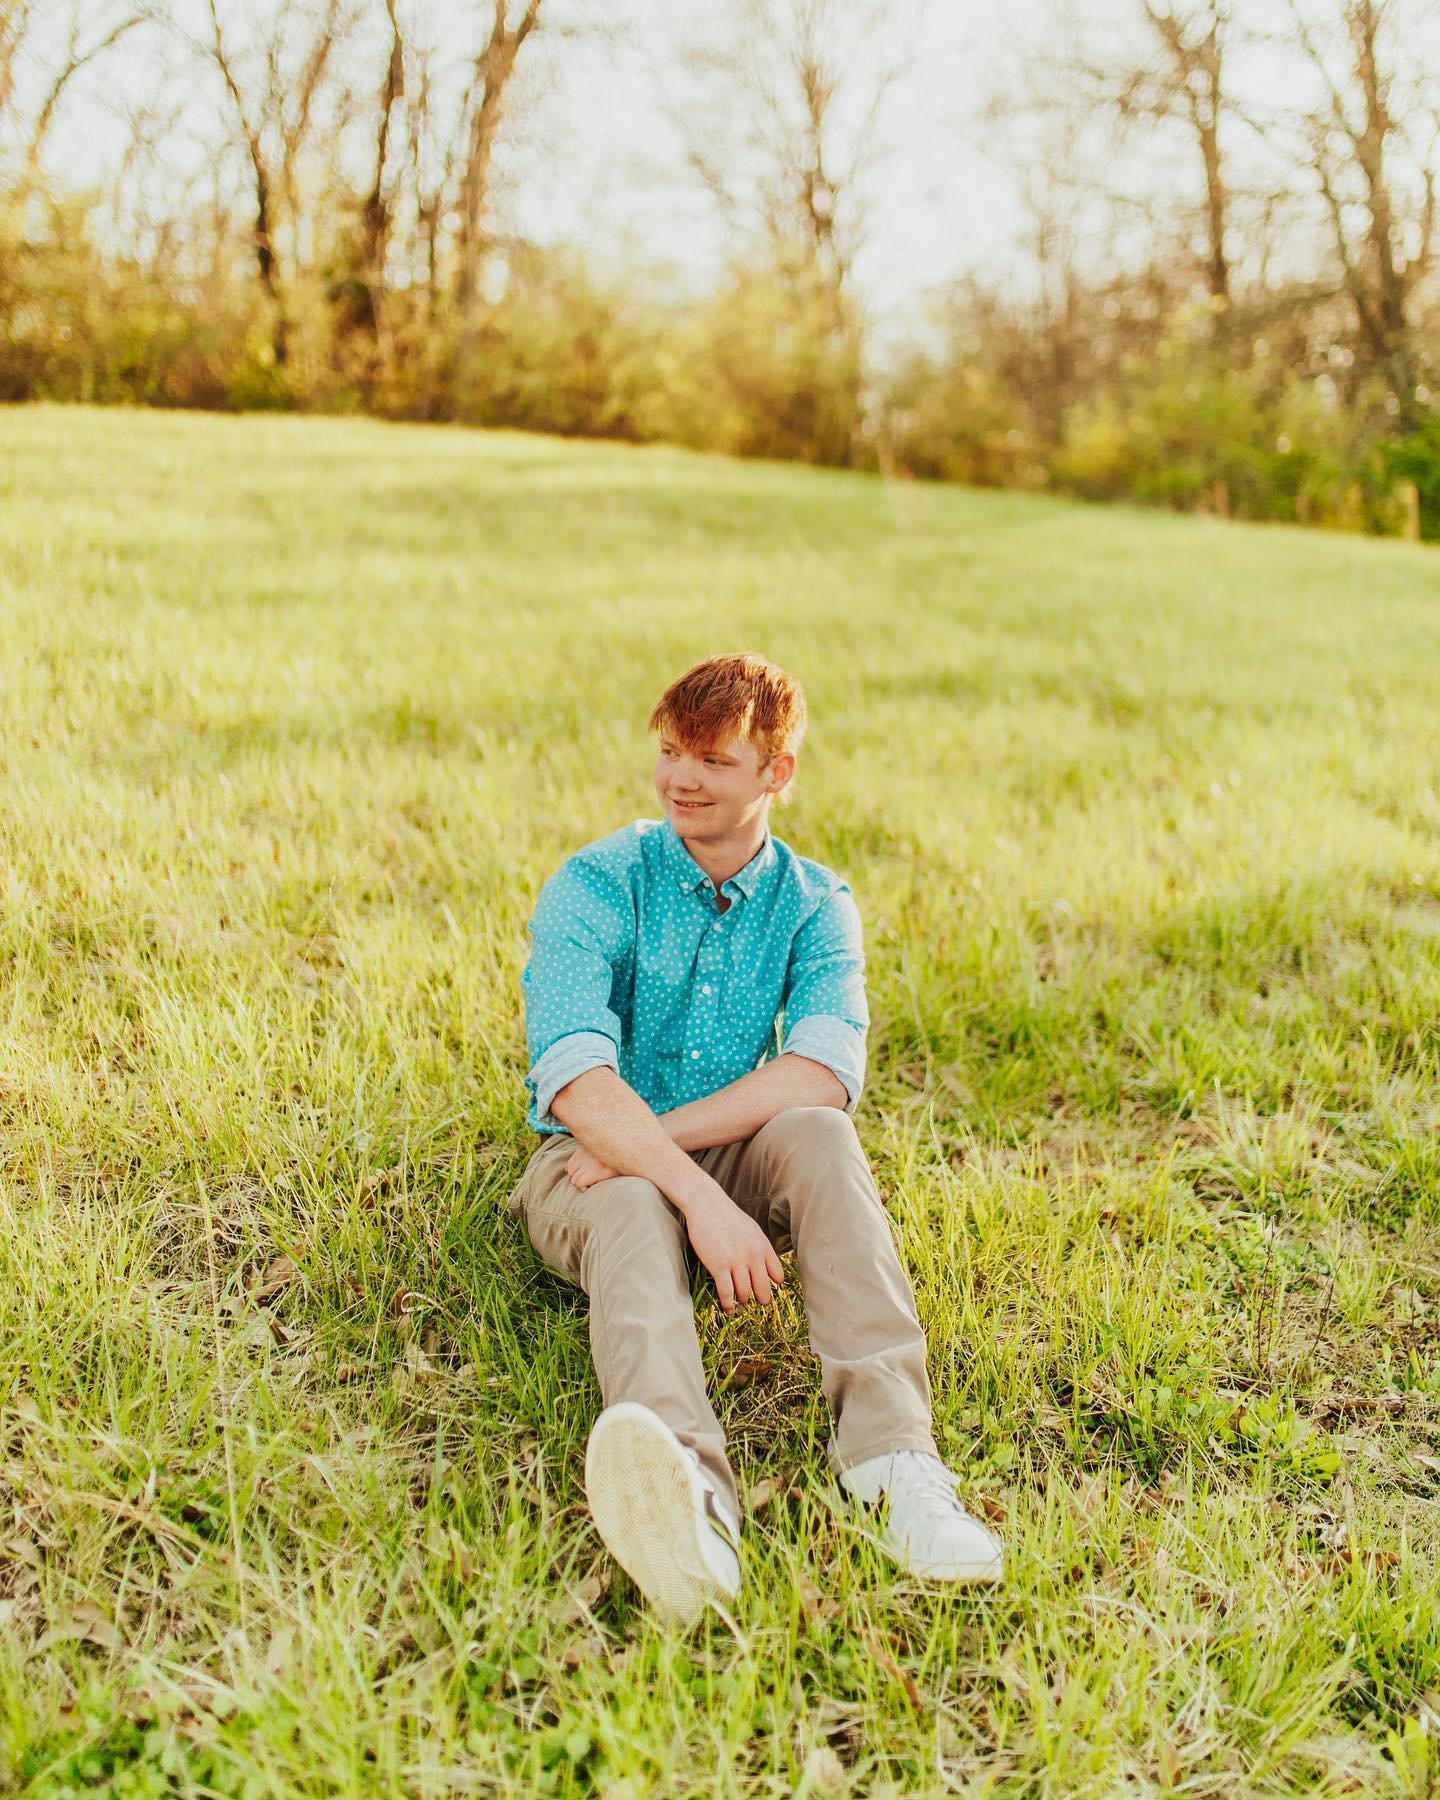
{"x": 741, "y": 1259}
{"x": 585, "y": 1168}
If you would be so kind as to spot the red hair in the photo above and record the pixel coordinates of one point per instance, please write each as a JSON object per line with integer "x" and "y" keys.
{"x": 733, "y": 696}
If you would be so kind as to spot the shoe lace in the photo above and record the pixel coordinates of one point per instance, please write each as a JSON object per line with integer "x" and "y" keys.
{"x": 930, "y": 1480}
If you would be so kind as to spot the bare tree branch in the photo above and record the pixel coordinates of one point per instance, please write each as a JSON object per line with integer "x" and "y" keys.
{"x": 274, "y": 122}
{"x": 16, "y": 17}
{"x": 76, "y": 59}
{"x": 485, "y": 103}
{"x": 1352, "y": 139}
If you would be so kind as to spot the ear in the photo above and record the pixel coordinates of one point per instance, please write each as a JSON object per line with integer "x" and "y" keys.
{"x": 782, "y": 768}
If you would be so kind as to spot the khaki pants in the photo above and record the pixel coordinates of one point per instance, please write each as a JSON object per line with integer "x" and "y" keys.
{"x": 805, "y": 1180}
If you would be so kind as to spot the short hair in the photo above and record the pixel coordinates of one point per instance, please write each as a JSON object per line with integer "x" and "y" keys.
{"x": 733, "y": 696}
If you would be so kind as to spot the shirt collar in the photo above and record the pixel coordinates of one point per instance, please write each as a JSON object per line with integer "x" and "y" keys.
{"x": 690, "y": 875}
{"x": 754, "y": 872}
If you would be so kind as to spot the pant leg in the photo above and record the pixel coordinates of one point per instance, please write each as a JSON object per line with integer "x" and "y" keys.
{"x": 626, "y": 1246}
{"x": 805, "y": 1179}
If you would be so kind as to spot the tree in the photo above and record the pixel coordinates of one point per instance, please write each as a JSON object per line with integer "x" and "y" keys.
{"x": 376, "y": 211}
{"x": 481, "y": 113}
{"x": 1191, "y": 88}
{"x": 274, "y": 86}
{"x": 1167, "y": 78}
{"x": 782, "y": 118}
{"x": 1371, "y": 151}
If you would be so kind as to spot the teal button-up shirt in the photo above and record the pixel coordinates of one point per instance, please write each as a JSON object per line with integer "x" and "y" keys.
{"x": 633, "y": 966}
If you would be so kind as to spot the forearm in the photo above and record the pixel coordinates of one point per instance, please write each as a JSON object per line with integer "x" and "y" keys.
{"x": 614, "y": 1125}
{"x": 605, "y": 1115}
{"x": 738, "y": 1111}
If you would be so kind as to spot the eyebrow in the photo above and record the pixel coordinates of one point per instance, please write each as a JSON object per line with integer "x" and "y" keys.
{"x": 725, "y": 756}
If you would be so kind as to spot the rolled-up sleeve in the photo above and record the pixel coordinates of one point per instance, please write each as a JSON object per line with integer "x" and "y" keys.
{"x": 581, "y": 929}
{"x": 825, "y": 1014}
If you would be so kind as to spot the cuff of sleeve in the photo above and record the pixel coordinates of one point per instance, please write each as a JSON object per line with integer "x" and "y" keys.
{"x": 567, "y": 1058}
{"x": 836, "y": 1044}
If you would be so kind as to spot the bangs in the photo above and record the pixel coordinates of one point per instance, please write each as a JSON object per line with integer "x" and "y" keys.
{"x": 727, "y": 697}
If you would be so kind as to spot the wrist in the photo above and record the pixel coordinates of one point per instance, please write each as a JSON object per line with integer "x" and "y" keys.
{"x": 694, "y": 1191}
{"x": 686, "y": 1139}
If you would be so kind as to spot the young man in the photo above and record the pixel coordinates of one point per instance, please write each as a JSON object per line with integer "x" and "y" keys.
{"x": 662, "y": 959}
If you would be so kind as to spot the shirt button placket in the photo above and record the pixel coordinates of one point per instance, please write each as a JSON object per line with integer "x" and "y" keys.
{"x": 712, "y": 955}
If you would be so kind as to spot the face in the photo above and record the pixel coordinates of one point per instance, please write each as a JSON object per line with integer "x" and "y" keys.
{"x": 719, "y": 794}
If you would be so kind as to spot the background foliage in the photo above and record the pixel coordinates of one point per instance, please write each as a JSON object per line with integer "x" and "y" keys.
{"x": 1217, "y": 292}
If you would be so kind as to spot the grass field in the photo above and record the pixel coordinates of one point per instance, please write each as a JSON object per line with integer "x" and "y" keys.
{"x": 1143, "y": 816}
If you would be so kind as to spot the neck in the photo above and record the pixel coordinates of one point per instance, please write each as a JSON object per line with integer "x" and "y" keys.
{"x": 722, "y": 860}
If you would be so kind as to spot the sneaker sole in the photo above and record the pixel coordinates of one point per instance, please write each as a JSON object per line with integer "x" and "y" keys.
{"x": 970, "y": 1573}
{"x": 641, "y": 1499}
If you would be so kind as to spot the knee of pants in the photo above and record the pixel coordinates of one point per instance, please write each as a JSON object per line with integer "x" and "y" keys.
{"x": 812, "y": 1130}
{"x": 814, "y": 1160}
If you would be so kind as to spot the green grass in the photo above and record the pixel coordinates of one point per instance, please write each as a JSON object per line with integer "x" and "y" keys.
{"x": 1143, "y": 819}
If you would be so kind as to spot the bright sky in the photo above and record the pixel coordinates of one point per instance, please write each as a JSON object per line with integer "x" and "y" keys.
{"x": 937, "y": 203}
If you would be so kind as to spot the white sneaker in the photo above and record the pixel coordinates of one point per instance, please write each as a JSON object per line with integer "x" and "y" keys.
{"x": 925, "y": 1528}
{"x": 658, "y": 1514}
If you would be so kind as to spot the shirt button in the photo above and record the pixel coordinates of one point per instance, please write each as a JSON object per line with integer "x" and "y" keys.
{"x": 706, "y": 988}
{"x": 694, "y": 1056}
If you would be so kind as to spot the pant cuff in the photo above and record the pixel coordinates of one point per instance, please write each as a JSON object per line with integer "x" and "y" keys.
{"x": 922, "y": 1441}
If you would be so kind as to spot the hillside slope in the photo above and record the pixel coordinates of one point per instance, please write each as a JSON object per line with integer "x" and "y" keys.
{"x": 1143, "y": 819}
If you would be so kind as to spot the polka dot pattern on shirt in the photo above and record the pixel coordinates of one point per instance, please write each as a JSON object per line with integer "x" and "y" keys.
{"x": 633, "y": 964}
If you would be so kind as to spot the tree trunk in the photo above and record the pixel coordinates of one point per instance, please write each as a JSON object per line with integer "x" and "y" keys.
{"x": 375, "y": 220}
{"x": 265, "y": 260}
{"x": 1197, "y": 75}
{"x": 493, "y": 69}
{"x": 1217, "y": 263}
{"x": 1387, "y": 318}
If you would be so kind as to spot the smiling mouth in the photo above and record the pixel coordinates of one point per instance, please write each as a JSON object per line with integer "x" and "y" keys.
{"x": 690, "y": 805}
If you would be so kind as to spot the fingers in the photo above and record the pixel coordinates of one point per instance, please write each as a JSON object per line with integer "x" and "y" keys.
{"x": 751, "y": 1271}
{"x": 584, "y": 1170}
{"x": 751, "y": 1281}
